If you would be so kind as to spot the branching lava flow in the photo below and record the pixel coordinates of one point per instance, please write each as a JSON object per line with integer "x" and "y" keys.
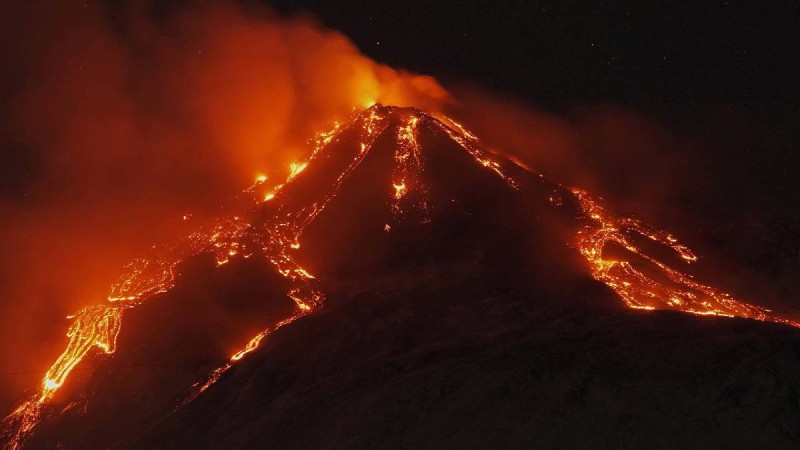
{"x": 274, "y": 224}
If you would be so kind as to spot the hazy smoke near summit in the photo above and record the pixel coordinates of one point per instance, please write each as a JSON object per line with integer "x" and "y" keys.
{"x": 117, "y": 120}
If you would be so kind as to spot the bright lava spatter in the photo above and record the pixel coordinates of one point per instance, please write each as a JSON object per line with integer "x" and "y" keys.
{"x": 97, "y": 327}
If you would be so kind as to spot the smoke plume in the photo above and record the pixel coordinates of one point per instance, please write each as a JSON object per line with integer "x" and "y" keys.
{"x": 118, "y": 120}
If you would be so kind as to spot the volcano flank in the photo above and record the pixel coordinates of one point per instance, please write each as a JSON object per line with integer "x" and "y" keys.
{"x": 405, "y": 288}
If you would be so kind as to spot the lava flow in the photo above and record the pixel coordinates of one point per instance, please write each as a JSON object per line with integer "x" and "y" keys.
{"x": 273, "y": 225}
{"x": 274, "y": 239}
{"x": 637, "y": 288}
{"x": 408, "y": 169}
{"x": 670, "y": 288}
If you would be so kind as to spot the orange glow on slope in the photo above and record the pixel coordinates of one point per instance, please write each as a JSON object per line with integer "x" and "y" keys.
{"x": 226, "y": 91}
{"x": 93, "y": 327}
{"x": 284, "y": 237}
{"x": 676, "y": 290}
{"x": 225, "y": 238}
{"x": 277, "y": 236}
{"x": 407, "y": 174}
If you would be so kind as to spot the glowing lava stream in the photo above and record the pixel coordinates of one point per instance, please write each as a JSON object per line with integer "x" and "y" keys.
{"x": 674, "y": 290}
{"x": 275, "y": 239}
{"x": 97, "y": 327}
{"x": 372, "y": 126}
{"x": 407, "y": 175}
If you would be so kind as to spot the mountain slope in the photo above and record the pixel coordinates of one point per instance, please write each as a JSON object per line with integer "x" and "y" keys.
{"x": 501, "y": 373}
{"x": 436, "y": 294}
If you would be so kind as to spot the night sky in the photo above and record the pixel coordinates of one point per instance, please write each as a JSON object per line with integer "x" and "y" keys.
{"x": 724, "y": 71}
{"x": 656, "y": 53}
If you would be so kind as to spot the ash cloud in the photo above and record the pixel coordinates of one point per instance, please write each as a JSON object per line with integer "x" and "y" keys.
{"x": 117, "y": 119}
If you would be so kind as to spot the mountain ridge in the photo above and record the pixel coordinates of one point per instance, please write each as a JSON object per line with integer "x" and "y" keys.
{"x": 398, "y": 210}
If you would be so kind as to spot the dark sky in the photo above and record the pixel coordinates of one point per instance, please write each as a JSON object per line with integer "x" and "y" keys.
{"x": 727, "y": 70}
{"x": 724, "y": 71}
{"x": 669, "y": 54}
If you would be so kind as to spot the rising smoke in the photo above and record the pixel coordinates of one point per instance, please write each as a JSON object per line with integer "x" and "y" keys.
{"x": 120, "y": 119}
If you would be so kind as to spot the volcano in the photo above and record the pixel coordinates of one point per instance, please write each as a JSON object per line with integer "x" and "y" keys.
{"x": 405, "y": 288}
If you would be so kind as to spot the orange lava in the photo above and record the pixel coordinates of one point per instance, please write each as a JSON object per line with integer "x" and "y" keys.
{"x": 277, "y": 237}
{"x": 471, "y": 144}
{"x": 407, "y": 176}
{"x": 93, "y": 327}
{"x": 662, "y": 287}
{"x": 97, "y": 327}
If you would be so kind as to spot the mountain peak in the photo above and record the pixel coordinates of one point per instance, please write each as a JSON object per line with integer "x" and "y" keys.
{"x": 393, "y": 200}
